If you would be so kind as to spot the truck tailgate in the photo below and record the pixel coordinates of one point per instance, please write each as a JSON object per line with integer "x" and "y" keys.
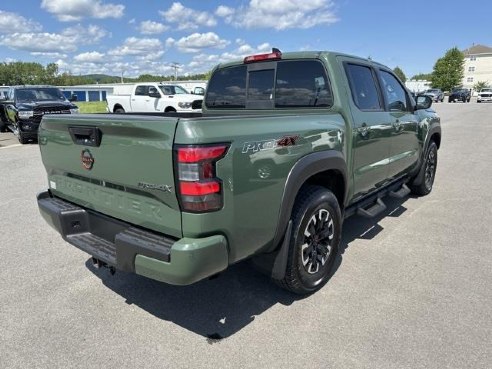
{"x": 121, "y": 166}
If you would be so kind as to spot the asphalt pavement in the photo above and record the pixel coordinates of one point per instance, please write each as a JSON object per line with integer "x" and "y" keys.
{"x": 412, "y": 288}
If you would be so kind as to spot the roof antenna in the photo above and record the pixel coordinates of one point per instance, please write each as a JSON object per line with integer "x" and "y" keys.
{"x": 275, "y": 50}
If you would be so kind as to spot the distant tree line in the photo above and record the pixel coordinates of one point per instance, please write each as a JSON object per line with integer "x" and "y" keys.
{"x": 28, "y": 73}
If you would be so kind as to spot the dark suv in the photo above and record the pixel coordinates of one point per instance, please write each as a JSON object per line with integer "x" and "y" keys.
{"x": 460, "y": 94}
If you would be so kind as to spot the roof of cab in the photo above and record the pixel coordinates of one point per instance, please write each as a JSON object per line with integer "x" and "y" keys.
{"x": 302, "y": 55}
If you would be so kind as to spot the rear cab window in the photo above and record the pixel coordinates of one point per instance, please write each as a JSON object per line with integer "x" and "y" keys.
{"x": 270, "y": 85}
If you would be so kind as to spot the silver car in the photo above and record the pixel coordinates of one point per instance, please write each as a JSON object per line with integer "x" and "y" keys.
{"x": 435, "y": 94}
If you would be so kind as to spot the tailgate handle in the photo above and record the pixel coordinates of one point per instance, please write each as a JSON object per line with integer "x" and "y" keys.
{"x": 87, "y": 136}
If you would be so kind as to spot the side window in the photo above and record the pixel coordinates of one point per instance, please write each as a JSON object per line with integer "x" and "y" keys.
{"x": 394, "y": 92}
{"x": 142, "y": 90}
{"x": 152, "y": 90}
{"x": 363, "y": 87}
{"x": 302, "y": 83}
{"x": 227, "y": 89}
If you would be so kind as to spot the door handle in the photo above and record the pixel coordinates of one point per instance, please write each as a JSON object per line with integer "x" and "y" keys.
{"x": 398, "y": 126}
{"x": 364, "y": 130}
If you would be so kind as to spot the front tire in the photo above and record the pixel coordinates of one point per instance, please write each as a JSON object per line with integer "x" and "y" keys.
{"x": 423, "y": 183}
{"x": 313, "y": 249}
{"x": 22, "y": 139}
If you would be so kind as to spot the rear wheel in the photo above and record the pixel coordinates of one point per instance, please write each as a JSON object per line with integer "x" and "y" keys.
{"x": 119, "y": 111}
{"x": 422, "y": 184}
{"x": 313, "y": 248}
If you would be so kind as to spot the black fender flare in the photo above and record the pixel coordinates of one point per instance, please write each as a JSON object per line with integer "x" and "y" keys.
{"x": 302, "y": 170}
{"x": 435, "y": 129}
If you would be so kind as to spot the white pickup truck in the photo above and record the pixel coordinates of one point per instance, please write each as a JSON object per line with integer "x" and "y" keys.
{"x": 152, "y": 97}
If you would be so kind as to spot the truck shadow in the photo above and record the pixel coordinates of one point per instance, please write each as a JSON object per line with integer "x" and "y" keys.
{"x": 219, "y": 307}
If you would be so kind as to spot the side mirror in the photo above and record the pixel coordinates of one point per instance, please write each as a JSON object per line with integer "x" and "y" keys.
{"x": 73, "y": 98}
{"x": 423, "y": 102}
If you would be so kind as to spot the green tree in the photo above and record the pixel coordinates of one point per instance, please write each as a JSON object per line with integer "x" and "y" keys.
{"x": 448, "y": 70}
{"x": 422, "y": 77}
{"x": 480, "y": 85}
{"x": 400, "y": 74}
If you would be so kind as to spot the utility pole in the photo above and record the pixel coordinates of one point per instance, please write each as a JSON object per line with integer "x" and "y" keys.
{"x": 175, "y": 66}
{"x": 122, "y": 76}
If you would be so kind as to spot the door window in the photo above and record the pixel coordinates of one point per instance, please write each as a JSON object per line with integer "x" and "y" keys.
{"x": 142, "y": 90}
{"x": 363, "y": 87}
{"x": 394, "y": 92}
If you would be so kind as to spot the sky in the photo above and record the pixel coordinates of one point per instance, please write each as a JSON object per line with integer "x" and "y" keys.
{"x": 134, "y": 37}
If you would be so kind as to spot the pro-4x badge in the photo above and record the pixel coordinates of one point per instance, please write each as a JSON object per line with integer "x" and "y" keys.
{"x": 87, "y": 159}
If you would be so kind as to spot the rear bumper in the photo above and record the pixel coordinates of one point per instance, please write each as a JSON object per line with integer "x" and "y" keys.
{"x": 128, "y": 248}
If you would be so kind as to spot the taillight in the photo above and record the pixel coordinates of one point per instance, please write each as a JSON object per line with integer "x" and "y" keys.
{"x": 275, "y": 55}
{"x": 198, "y": 186}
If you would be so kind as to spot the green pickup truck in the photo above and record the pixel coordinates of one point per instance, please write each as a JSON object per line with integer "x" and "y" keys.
{"x": 287, "y": 146}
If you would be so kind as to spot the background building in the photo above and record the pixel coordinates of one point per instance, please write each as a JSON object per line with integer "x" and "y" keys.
{"x": 478, "y": 65}
{"x": 417, "y": 86}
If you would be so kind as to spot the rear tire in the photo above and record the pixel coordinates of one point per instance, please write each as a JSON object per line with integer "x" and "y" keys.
{"x": 427, "y": 173}
{"x": 119, "y": 111}
{"x": 313, "y": 249}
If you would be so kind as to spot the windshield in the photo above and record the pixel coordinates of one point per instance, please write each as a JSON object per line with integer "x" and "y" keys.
{"x": 173, "y": 90}
{"x": 433, "y": 91}
{"x": 486, "y": 90}
{"x": 38, "y": 94}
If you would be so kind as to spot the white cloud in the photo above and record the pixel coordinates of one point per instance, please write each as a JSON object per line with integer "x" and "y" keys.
{"x": 280, "y": 14}
{"x": 134, "y": 46}
{"x": 204, "y": 62}
{"x": 64, "y": 42}
{"x": 150, "y": 28}
{"x": 12, "y": 23}
{"x": 43, "y": 42}
{"x": 151, "y": 56}
{"x": 74, "y": 10}
{"x": 186, "y": 18}
{"x": 49, "y": 55}
{"x": 90, "y": 35}
{"x": 90, "y": 57}
{"x": 224, "y": 11}
{"x": 197, "y": 41}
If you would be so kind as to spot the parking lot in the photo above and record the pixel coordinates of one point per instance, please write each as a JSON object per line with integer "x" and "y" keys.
{"x": 412, "y": 288}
